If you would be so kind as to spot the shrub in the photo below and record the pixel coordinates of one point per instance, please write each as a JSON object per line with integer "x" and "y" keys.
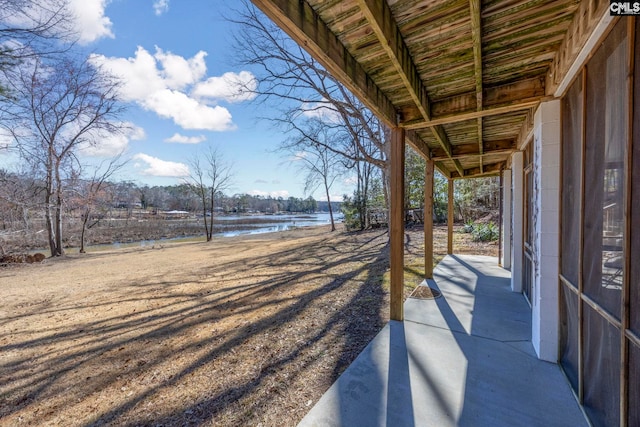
{"x": 485, "y": 232}
{"x": 468, "y": 227}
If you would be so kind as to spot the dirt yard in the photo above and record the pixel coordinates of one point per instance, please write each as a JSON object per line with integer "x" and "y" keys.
{"x": 248, "y": 330}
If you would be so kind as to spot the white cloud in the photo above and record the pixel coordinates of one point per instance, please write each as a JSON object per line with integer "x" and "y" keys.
{"x": 275, "y": 194}
{"x": 160, "y": 7}
{"x": 182, "y": 139}
{"x": 159, "y": 82}
{"x": 159, "y": 167}
{"x": 91, "y": 22}
{"x": 187, "y": 112}
{"x": 178, "y": 72}
{"x": 110, "y": 144}
{"x": 231, "y": 87}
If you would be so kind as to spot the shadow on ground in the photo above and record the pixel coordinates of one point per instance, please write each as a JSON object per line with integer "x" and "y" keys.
{"x": 237, "y": 343}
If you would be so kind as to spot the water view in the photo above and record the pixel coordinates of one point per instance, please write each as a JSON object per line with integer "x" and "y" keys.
{"x": 236, "y": 225}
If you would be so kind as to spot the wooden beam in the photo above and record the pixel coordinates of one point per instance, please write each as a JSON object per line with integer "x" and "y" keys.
{"x": 455, "y": 118}
{"x": 303, "y": 25}
{"x": 418, "y": 144}
{"x": 476, "y": 36}
{"x": 450, "y": 217}
{"x": 428, "y": 219}
{"x": 440, "y": 134}
{"x": 443, "y": 170}
{"x": 585, "y": 20}
{"x": 379, "y": 16}
{"x": 503, "y": 146}
{"x": 531, "y": 89}
{"x": 488, "y": 170}
{"x": 396, "y": 224}
{"x": 526, "y": 130}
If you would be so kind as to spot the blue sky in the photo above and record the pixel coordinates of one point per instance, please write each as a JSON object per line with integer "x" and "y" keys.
{"x": 176, "y": 61}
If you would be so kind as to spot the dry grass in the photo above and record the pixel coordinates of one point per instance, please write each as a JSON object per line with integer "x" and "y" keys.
{"x": 241, "y": 331}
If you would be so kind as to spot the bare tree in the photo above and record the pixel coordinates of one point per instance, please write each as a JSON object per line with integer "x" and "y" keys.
{"x": 57, "y": 109}
{"x": 308, "y": 97}
{"x": 29, "y": 29}
{"x": 211, "y": 174}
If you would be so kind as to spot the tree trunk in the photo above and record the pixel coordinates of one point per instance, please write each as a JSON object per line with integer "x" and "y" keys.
{"x": 51, "y": 233}
{"x": 58, "y": 210}
{"x": 326, "y": 189}
{"x": 85, "y": 219}
{"x": 58, "y": 224}
{"x": 211, "y": 207}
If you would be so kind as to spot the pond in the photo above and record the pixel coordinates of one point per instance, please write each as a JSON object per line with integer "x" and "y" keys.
{"x": 228, "y": 226}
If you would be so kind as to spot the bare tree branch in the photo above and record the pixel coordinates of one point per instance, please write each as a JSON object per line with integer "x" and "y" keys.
{"x": 60, "y": 108}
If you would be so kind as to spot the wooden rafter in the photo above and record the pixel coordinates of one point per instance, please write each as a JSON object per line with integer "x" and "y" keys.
{"x": 488, "y": 170}
{"x": 476, "y": 35}
{"x": 378, "y": 15}
{"x": 418, "y": 144}
{"x": 442, "y": 169}
{"x": 504, "y": 147}
{"x": 455, "y": 118}
{"x": 510, "y": 94}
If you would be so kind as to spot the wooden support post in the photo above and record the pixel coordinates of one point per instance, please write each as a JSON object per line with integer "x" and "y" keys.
{"x": 396, "y": 224}
{"x": 450, "y": 219}
{"x": 428, "y": 220}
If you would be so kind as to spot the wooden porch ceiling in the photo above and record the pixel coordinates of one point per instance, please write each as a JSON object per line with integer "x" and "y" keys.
{"x": 463, "y": 76}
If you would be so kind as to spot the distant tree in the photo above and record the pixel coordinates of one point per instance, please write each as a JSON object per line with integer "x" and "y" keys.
{"x": 57, "y": 108}
{"x": 210, "y": 176}
{"x": 477, "y": 197}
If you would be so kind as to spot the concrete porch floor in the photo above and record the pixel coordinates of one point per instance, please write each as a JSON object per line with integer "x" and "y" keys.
{"x": 464, "y": 359}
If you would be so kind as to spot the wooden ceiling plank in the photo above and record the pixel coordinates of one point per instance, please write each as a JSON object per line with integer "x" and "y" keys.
{"x": 304, "y": 26}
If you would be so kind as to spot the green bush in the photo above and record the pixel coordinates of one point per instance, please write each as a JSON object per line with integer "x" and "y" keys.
{"x": 485, "y": 232}
{"x": 351, "y": 212}
{"x": 468, "y": 227}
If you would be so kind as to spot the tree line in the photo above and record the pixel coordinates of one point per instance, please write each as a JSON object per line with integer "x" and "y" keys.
{"x": 21, "y": 201}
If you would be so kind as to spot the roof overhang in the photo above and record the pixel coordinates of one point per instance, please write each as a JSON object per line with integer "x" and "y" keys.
{"x": 463, "y": 76}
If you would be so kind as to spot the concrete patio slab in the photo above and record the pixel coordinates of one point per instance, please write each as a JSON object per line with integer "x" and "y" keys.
{"x": 464, "y": 359}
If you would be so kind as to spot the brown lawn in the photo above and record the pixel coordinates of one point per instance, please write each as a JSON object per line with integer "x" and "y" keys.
{"x": 241, "y": 331}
